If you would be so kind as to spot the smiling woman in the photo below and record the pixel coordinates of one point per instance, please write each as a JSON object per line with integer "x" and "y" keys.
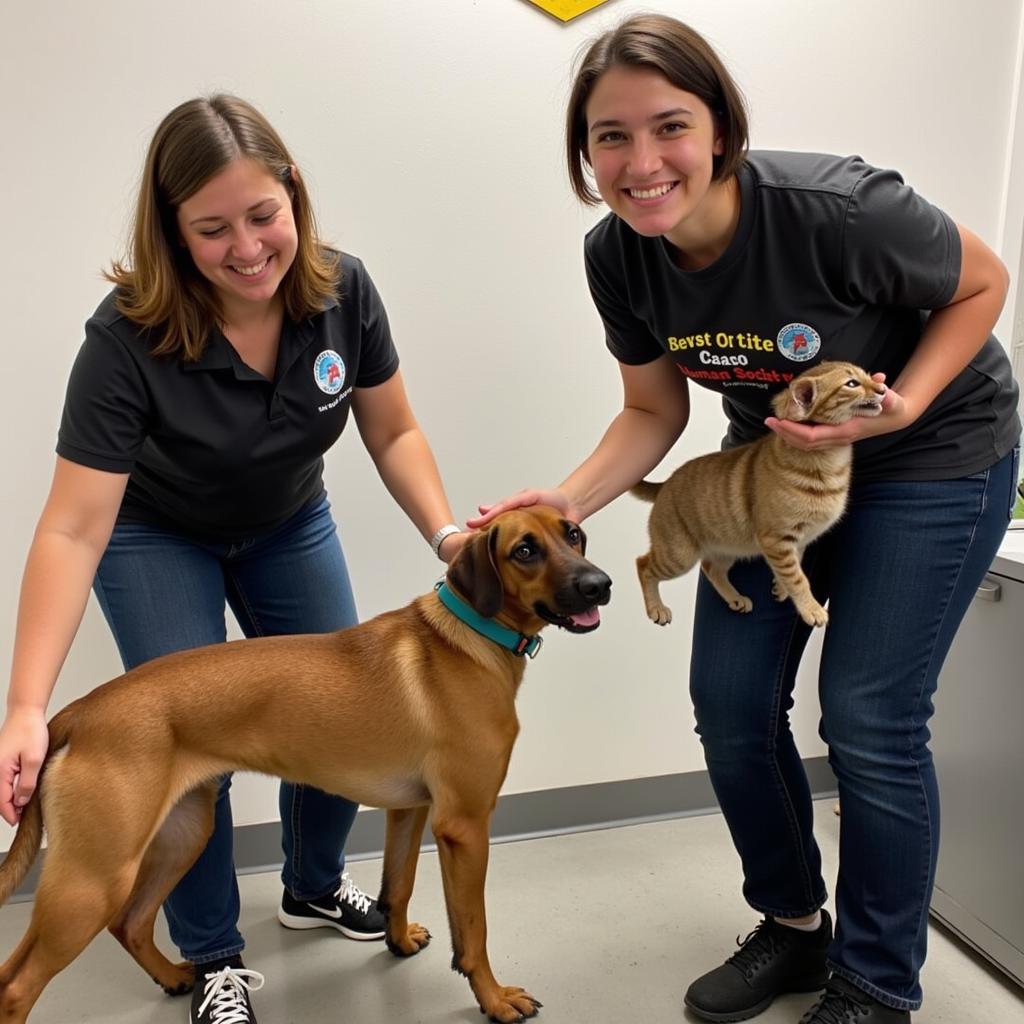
{"x": 661, "y": 126}
{"x": 240, "y": 232}
{"x": 203, "y": 152}
{"x": 735, "y": 271}
{"x": 654, "y": 151}
{"x": 190, "y": 476}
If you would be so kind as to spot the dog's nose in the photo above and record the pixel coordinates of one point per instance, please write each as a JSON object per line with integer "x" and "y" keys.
{"x": 595, "y": 586}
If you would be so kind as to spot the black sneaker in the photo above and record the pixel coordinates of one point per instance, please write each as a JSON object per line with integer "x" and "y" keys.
{"x": 771, "y": 960}
{"x": 221, "y": 993}
{"x": 349, "y": 910}
{"x": 843, "y": 1003}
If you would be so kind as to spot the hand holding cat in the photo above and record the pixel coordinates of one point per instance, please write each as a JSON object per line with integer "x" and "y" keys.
{"x": 895, "y": 415}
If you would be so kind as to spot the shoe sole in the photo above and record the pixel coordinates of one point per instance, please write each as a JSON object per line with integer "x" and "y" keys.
{"x": 304, "y": 923}
{"x": 725, "y": 1018}
{"x": 750, "y": 1011}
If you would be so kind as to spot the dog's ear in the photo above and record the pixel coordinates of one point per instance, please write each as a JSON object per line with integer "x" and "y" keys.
{"x": 475, "y": 574}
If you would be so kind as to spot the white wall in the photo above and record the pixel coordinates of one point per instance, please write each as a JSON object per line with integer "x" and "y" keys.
{"x": 431, "y": 135}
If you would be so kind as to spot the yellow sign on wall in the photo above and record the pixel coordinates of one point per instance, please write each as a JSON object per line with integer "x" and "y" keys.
{"x": 566, "y": 10}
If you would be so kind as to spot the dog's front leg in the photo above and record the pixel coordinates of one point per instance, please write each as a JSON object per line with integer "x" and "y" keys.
{"x": 401, "y": 852}
{"x": 463, "y": 847}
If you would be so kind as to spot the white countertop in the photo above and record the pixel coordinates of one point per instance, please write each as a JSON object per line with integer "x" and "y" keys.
{"x": 1010, "y": 559}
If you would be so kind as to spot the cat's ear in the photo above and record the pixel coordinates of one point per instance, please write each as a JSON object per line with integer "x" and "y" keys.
{"x": 798, "y": 400}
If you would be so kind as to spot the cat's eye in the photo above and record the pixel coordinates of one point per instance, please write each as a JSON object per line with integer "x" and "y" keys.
{"x": 851, "y": 383}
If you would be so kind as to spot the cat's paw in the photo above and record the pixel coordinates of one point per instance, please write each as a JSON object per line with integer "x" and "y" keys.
{"x": 814, "y": 615}
{"x": 778, "y": 591}
{"x": 740, "y": 604}
{"x": 660, "y": 614}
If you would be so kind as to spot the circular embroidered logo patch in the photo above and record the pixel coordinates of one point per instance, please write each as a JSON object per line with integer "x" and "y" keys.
{"x": 799, "y": 342}
{"x": 329, "y": 372}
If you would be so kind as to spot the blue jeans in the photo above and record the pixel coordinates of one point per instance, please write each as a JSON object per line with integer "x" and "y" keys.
{"x": 161, "y": 592}
{"x": 899, "y": 572}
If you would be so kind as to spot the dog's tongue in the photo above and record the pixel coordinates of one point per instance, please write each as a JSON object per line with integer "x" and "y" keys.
{"x": 587, "y": 618}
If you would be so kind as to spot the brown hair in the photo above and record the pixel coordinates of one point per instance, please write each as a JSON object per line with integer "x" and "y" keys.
{"x": 161, "y": 288}
{"x": 685, "y": 58}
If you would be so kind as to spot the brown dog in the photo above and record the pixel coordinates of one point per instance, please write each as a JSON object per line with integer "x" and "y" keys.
{"x": 413, "y": 711}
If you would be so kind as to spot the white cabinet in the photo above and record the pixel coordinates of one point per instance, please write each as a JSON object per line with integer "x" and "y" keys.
{"x": 979, "y": 755}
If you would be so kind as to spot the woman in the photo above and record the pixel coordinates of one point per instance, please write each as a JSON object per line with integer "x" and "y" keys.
{"x": 189, "y": 474}
{"x": 736, "y": 270}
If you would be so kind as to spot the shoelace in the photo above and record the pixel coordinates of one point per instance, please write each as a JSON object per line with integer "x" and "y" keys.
{"x": 835, "y": 1006}
{"x": 225, "y": 992}
{"x": 351, "y": 894}
{"x": 761, "y": 944}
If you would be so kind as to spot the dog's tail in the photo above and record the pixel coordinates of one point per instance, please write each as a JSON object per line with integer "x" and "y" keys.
{"x": 646, "y": 490}
{"x": 29, "y": 836}
{"x": 24, "y": 849}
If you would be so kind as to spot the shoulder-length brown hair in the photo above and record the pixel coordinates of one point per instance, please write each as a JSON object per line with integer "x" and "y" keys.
{"x": 680, "y": 54}
{"x": 159, "y": 287}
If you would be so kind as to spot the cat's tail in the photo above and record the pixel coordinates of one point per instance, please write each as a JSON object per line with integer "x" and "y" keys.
{"x": 646, "y": 490}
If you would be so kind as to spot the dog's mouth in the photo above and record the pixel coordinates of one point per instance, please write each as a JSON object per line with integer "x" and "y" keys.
{"x": 578, "y": 622}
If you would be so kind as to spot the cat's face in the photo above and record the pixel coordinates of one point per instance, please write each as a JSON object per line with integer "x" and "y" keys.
{"x": 830, "y": 392}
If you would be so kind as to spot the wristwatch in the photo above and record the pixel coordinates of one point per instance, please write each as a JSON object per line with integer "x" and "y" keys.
{"x": 445, "y": 531}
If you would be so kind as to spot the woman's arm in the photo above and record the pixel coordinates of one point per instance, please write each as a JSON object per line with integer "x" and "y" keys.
{"x": 655, "y": 409}
{"x": 70, "y": 538}
{"x": 403, "y": 458}
{"x": 951, "y": 339}
{"x": 955, "y": 333}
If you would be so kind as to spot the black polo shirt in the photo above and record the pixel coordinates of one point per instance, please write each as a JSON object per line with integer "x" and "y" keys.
{"x": 213, "y": 448}
{"x": 832, "y": 259}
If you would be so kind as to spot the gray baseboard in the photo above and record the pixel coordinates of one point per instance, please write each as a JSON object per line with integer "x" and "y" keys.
{"x": 522, "y": 816}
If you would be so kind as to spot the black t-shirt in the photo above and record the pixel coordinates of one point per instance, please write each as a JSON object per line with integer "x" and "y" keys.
{"x": 831, "y": 259}
{"x": 213, "y": 448}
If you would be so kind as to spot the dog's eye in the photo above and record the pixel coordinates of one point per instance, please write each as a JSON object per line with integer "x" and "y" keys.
{"x": 523, "y": 553}
{"x": 573, "y": 536}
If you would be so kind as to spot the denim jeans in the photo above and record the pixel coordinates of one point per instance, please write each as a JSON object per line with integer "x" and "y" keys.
{"x": 163, "y": 592}
{"x": 899, "y": 572}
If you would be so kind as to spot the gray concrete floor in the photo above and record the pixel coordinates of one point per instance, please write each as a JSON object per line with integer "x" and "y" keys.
{"x": 606, "y": 926}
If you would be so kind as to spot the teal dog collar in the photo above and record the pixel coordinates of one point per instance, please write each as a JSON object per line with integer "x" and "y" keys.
{"x": 518, "y": 643}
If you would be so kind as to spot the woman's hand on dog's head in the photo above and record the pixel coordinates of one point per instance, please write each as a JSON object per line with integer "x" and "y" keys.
{"x": 524, "y": 499}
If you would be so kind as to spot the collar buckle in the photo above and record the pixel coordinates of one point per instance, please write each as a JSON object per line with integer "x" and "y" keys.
{"x": 528, "y": 645}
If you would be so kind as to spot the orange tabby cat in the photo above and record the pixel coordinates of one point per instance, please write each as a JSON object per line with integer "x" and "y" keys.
{"x": 763, "y": 498}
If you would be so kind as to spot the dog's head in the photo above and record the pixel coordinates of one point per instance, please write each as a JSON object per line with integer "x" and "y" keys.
{"x": 527, "y": 568}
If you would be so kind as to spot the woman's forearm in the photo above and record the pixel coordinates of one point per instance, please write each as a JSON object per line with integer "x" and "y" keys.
{"x": 634, "y": 443}
{"x": 409, "y": 472}
{"x": 54, "y": 592}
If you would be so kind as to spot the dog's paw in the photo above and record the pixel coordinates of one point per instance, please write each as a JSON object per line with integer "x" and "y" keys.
{"x": 660, "y": 614}
{"x": 511, "y": 1004}
{"x": 416, "y": 938}
{"x": 179, "y": 981}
